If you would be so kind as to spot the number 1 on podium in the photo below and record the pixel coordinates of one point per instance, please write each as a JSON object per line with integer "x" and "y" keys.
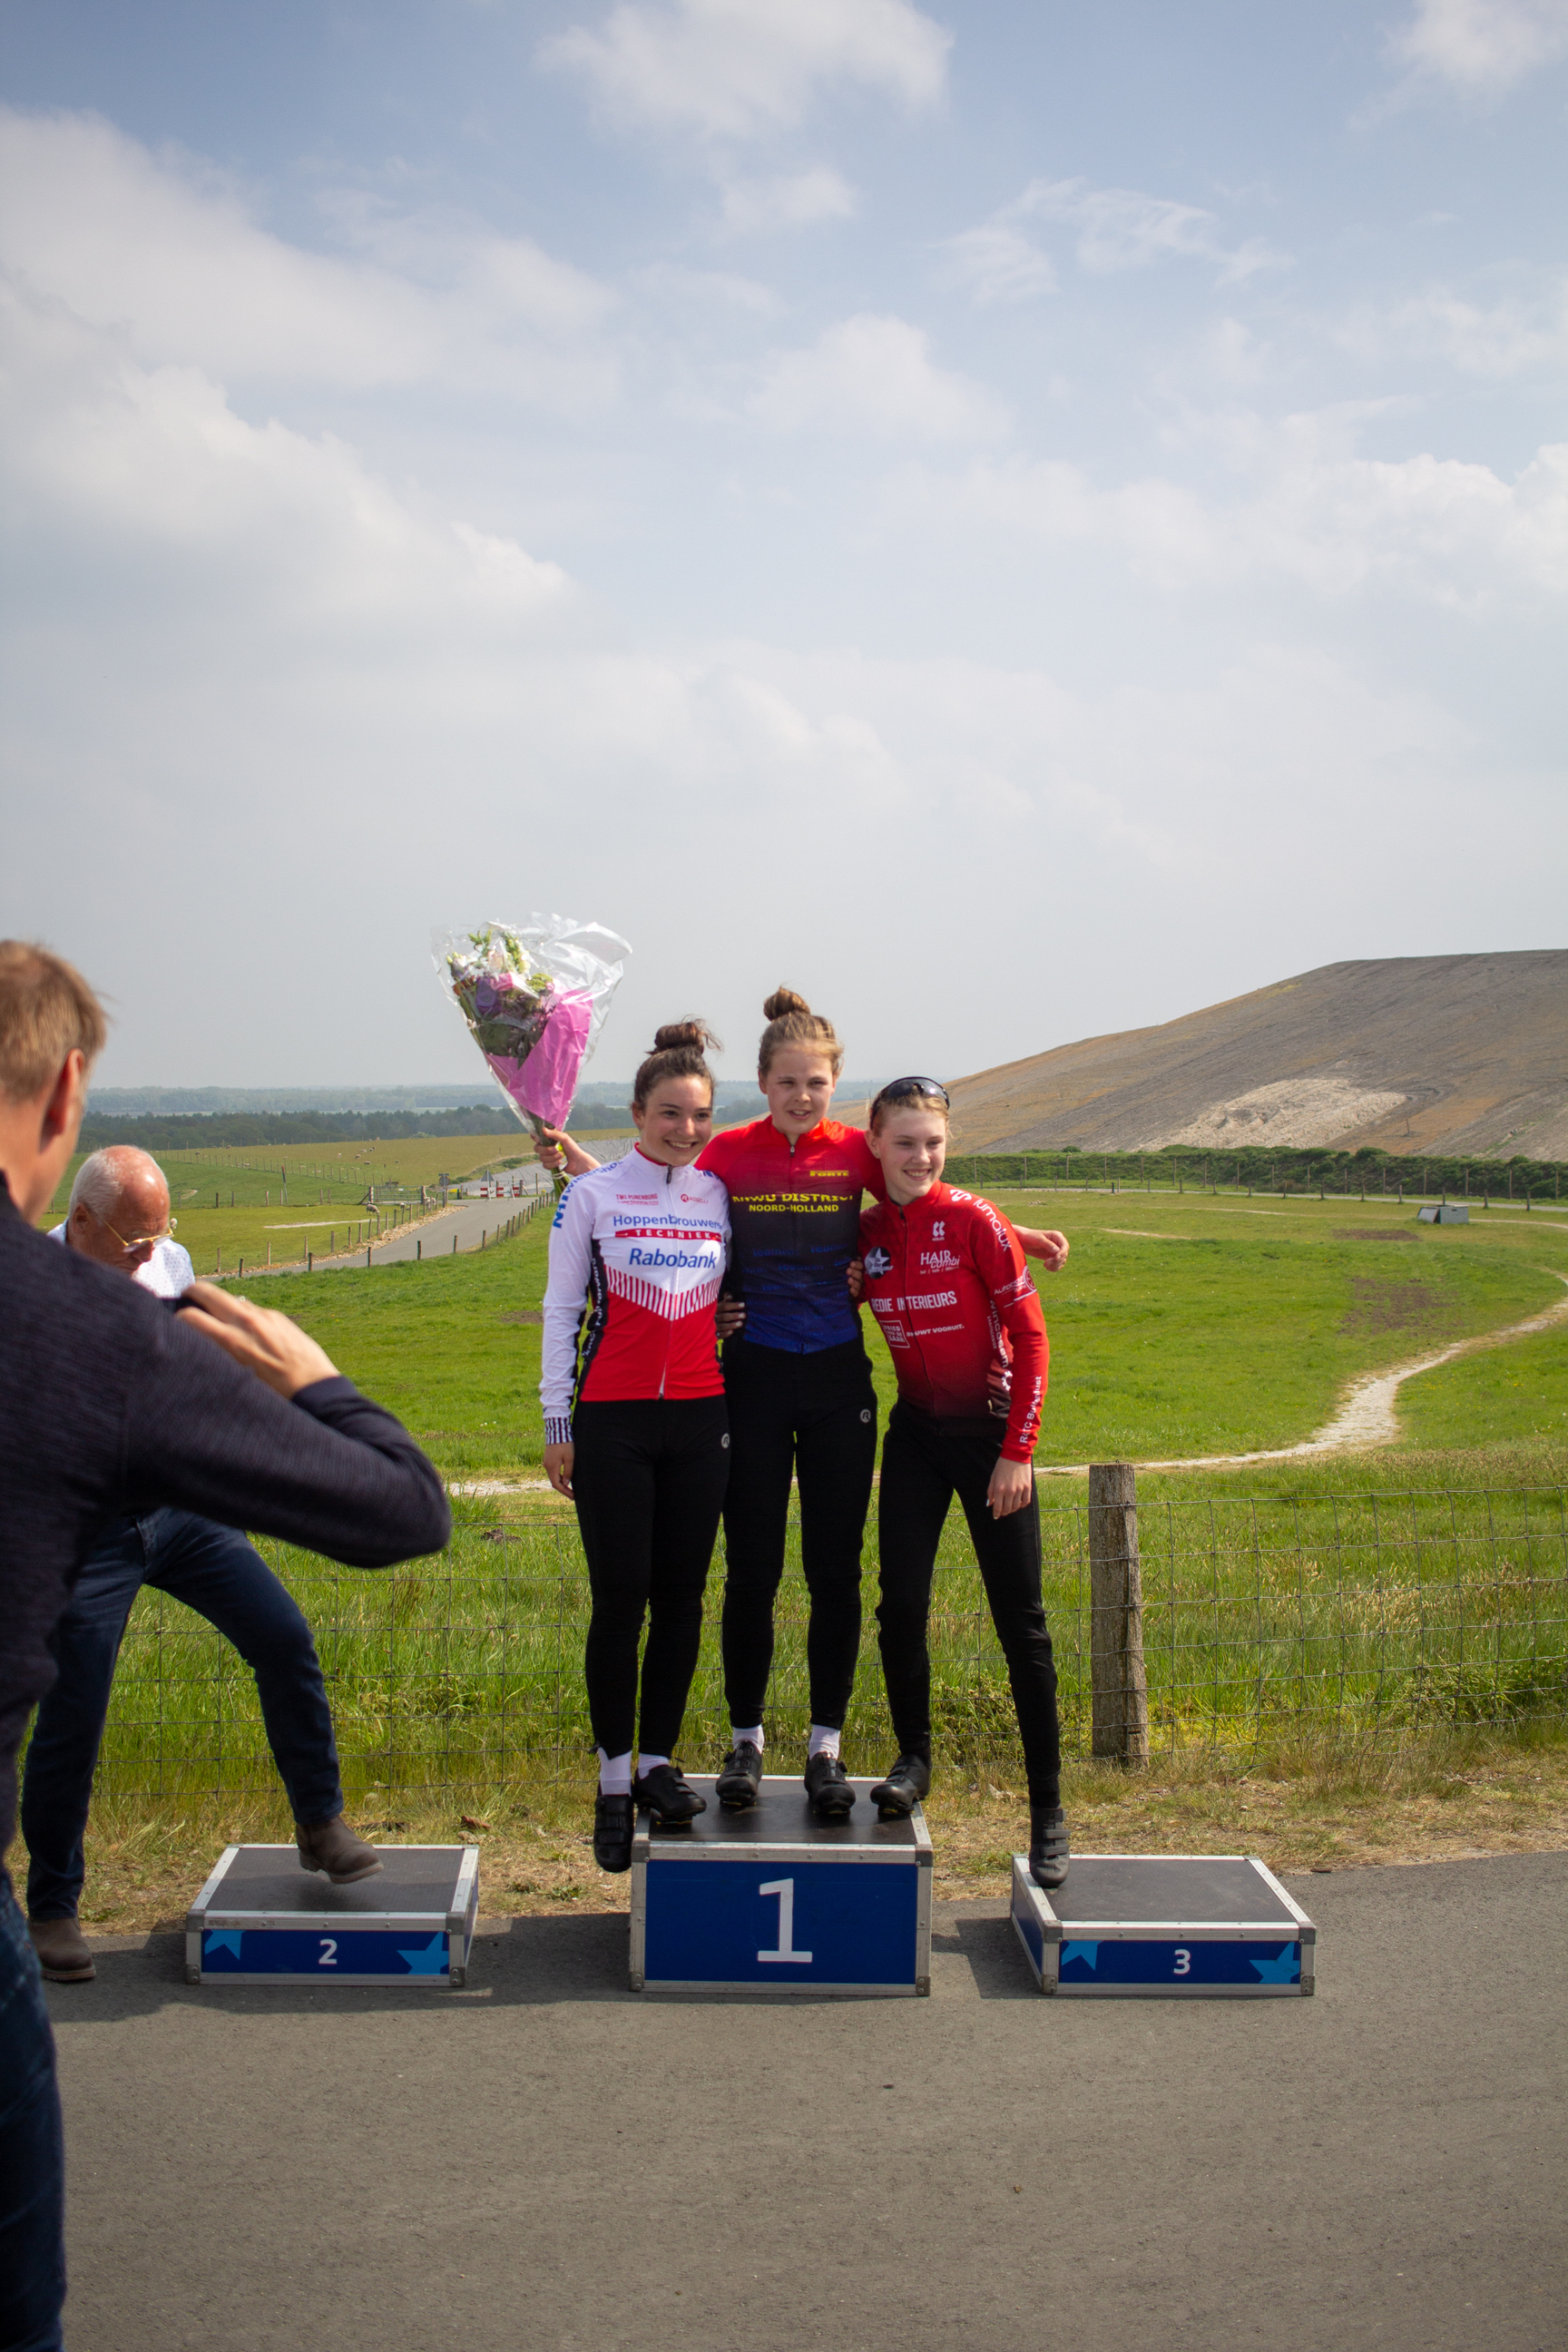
{"x": 785, "y": 1889}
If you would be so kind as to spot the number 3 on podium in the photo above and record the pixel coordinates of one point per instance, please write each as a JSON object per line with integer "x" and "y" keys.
{"x": 785, "y": 1889}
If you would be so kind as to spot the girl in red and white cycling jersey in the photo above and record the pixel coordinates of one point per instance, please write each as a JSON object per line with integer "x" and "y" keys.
{"x": 635, "y": 1430}
{"x": 946, "y": 1281}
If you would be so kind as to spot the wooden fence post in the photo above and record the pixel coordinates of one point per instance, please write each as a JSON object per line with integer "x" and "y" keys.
{"x": 1121, "y": 1691}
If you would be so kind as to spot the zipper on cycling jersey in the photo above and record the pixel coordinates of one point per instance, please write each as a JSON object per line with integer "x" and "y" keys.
{"x": 669, "y": 1329}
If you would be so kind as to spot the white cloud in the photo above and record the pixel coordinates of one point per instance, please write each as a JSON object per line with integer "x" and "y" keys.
{"x": 872, "y": 374}
{"x": 104, "y": 454}
{"x": 740, "y": 68}
{"x": 1503, "y": 339}
{"x": 170, "y": 258}
{"x": 1337, "y": 524}
{"x": 790, "y": 200}
{"x": 296, "y": 716}
{"x": 997, "y": 262}
{"x": 1117, "y": 229}
{"x": 1483, "y": 47}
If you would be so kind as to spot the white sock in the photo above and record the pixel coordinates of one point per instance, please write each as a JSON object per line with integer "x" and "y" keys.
{"x": 823, "y": 1740}
{"x": 646, "y": 1764}
{"x": 615, "y": 1774}
{"x": 741, "y": 1732}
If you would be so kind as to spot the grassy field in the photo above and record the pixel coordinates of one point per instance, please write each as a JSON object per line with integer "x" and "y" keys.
{"x": 1210, "y": 1327}
{"x": 238, "y": 1205}
{"x": 1380, "y": 1637}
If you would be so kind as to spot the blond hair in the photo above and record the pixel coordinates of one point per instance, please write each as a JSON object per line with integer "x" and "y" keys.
{"x": 792, "y": 1022}
{"x": 47, "y": 1011}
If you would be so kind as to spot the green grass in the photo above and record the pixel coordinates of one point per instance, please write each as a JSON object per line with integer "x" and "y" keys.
{"x": 1343, "y": 1614}
{"x": 1242, "y": 1332}
{"x": 431, "y": 1341}
{"x": 1512, "y": 1393}
{"x": 229, "y": 1206}
{"x": 1239, "y": 1333}
{"x": 1370, "y": 1597}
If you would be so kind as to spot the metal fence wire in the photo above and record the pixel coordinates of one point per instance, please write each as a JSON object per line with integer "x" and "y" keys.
{"x": 1264, "y": 1620}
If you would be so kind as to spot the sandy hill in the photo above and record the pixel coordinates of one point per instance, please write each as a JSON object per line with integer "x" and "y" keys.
{"x": 1466, "y": 1055}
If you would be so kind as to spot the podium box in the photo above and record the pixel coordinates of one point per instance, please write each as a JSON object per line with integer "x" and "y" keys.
{"x": 261, "y": 1919}
{"x": 774, "y": 1897}
{"x": 1191, "y": 1925}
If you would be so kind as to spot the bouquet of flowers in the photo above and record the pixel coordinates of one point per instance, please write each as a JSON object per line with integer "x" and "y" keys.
{"x": 534, "y": 996}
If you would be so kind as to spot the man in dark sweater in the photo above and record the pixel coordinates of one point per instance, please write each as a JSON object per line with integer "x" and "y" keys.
{"x": 122, "y": 1213}
{"x": 112, "y": 1403}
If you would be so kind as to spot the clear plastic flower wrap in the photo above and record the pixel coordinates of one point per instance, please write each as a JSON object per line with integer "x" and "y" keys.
{"x": 534, "y": 996}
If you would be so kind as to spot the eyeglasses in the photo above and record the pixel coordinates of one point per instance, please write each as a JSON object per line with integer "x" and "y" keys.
{"x": 142, "y": 1241}
{"x": 931, "y": 1087}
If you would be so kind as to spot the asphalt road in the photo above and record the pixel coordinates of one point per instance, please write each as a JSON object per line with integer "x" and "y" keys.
{"x": 546, "y": 2161}
{"x": 467, "y": 1224}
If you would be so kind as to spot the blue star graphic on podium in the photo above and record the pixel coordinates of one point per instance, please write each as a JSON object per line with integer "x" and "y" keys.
{"x": 430, "y": 1961}
{"x": 222, "y": 1939}
{"x": 1088, "y": 1953}
{"x": 1283, "y": 1969}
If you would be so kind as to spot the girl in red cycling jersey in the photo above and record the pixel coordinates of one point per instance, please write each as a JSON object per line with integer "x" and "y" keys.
{"x": 635, "y": 1431}
{"x": 946, "y": 1280}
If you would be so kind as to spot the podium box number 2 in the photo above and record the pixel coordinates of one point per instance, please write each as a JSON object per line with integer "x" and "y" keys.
{"x": 260, "y": 1919}
{"x": 775, "y": 1897}
{"x": 1182, "y": 1925}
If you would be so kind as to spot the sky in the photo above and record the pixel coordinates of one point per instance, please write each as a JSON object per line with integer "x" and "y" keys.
{"x": 1017, "y": 522}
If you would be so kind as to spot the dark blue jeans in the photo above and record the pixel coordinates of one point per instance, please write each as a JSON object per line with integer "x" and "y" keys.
{"x": 223, "y": 1578}
{"x": 32, "y": 2149}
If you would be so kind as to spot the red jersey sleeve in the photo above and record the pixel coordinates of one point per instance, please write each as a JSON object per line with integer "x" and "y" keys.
{"x": 999, "y": 1262}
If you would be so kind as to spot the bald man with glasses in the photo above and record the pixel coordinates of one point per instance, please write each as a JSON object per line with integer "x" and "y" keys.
{"x": 119, "y": 1216}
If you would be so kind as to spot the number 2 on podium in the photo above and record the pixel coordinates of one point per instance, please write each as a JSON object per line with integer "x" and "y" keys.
{"x": 785, "y": 1889}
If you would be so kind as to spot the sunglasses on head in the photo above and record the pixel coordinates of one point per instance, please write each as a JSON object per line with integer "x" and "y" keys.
{"x": 897, "y": 1089}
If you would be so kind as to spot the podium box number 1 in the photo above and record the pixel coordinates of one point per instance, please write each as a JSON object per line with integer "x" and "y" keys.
{"x": 775, "y": 1897}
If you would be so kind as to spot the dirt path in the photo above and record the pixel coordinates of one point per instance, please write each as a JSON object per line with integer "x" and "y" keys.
{"x": 1366, "y": 1416}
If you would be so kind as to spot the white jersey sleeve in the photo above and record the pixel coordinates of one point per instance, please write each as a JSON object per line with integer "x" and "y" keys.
{"x": 565, "y": 1297}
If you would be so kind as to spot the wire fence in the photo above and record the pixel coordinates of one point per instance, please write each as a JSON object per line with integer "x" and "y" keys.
{"x": 1266, "y": 1621}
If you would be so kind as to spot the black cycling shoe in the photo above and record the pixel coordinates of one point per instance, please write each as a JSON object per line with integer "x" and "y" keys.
{"x": 1049, "y": 1846}
{"x": 897, "y": 1797}
{"x": 827, "y": 1786}
{"x": 668, "y": 1796}
{"x": 615, "y": 1818}
{"x": 741, "y": 1782}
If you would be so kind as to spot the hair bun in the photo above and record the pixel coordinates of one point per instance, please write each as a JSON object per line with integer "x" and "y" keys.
{"x": 676, "y": 1037}
{"x": 782, "y": 1002}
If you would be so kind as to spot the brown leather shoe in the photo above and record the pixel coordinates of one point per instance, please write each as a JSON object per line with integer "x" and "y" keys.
{"x": 62, "y": 1949}
{"x": 334, "y": 1847}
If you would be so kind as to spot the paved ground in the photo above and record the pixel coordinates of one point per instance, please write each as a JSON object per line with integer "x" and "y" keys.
{"x": 546, "y": 2162}
{"x": 468, "y": 1221}
{"x": 434, "y": 1235}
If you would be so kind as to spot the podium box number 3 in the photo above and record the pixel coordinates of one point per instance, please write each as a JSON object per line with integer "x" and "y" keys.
{"x": 775, "y": 1897}
{"x": 1183, "y": 1924}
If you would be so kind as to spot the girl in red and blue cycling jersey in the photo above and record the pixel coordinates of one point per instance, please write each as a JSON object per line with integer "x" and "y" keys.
{"x": 945, "y": 1278}
{"x": 634, "y": 1427}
